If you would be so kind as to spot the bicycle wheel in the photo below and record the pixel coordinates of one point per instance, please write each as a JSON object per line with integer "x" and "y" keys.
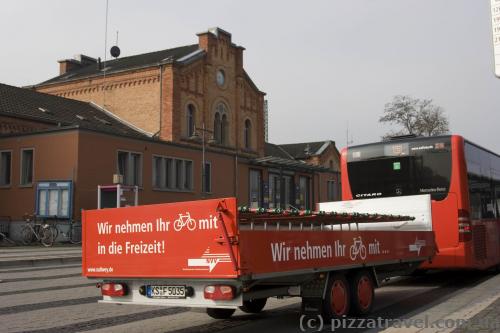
{"x": 55, "y": 231}
{"x": 47, "y": 236}
{"x": 75, "y": 234}
{"x": 27, "y": 235}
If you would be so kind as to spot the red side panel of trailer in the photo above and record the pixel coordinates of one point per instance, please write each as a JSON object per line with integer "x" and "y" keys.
{"x": 201, "y": 239}
{"x": 270, "y": 252}
{"x": 166, "y": 240}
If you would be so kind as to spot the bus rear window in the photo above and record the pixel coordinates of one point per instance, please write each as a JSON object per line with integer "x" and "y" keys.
{"x": 389, "y": 169}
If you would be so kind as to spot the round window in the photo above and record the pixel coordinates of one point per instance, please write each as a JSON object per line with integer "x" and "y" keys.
{"x": 221, "y": 78}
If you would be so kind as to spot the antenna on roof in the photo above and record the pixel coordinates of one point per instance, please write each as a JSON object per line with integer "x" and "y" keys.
{"x": 115, "y": 50}
{"x": 348, "y": 142}
{"x": 105, "y": 51}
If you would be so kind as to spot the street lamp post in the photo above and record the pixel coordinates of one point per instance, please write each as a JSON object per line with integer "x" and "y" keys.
{"x": 195, "y": 136}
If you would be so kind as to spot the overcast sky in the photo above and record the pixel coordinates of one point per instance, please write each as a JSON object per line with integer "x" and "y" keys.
{"x": 323, "y": 64}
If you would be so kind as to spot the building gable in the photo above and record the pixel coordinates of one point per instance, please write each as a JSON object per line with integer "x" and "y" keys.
{"x": 156, "y": 91}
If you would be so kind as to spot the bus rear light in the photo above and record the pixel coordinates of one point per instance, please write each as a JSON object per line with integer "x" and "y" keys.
{"x": 113, "y": 289}
{"x": 464, "y": 226}
{"x": 219, "y": 292}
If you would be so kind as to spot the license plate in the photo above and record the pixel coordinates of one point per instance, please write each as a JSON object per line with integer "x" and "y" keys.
{"x": 166, "y": 291}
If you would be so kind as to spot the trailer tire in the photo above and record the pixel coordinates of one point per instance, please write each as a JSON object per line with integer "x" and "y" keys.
{"x": 337, "y": 299}
{"x": 253, "y": 305}
{"x": 219, "y": 313}
{"x": 362, "y": 293}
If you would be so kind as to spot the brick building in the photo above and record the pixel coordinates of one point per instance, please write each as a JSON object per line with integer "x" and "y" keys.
{"x": 168, "y": 93}
{"x": 182, "y": 124}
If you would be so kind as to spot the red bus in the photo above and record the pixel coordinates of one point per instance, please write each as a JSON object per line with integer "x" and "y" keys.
{"x": 462, "y": 178}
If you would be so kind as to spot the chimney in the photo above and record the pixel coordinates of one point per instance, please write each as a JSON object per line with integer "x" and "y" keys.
{"x": 85, "y": 60}
{"x": 79, "y": 61}
{"x": 206, "y": 40}
{"x": 67, "y": 65}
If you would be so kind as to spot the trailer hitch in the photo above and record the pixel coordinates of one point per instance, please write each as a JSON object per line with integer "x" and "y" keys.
{"x": 233, "y": 240}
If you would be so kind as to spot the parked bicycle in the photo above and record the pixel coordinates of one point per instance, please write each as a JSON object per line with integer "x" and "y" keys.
{"x": 4, "y": 229}
{"x": 72, "y": 234}
{"x": 35, "y": 230}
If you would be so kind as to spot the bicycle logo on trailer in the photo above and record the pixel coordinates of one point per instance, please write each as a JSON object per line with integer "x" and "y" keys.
{"x": 185, "y": 221}
{"x": 358, "y": 248}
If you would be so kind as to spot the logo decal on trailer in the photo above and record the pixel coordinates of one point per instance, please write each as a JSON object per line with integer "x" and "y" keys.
{"x": 415, "y": 247}
{"x": 207, "y": 261}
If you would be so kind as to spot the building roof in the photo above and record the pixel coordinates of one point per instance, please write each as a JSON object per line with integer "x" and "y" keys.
{"x": 270, "y": 149}
{"x": 281, "y": 155}
{"x": 276, "y": 162}
{"x": 305, "y": 150}
{"x": 59, "y": 111}
{"x": 125, "y": 63}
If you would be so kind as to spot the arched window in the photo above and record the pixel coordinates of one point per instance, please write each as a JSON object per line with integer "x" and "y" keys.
{"x": 217, "y": 127}
{"x": 221, "y": 124}
{"x": 221, "y": 108}
{"x": 223, "y": 130}
{"x": 190, "y": 120}
{"x": 248, "y": 134}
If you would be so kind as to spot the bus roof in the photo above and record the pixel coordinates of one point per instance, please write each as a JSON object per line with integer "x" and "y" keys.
{"x": 419, "y": 138}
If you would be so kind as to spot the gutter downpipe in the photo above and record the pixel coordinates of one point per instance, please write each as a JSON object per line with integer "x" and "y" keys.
{"x": 236, "y": 174}
{"x": 161, "y": 99}
{"x": 313, "y": 203}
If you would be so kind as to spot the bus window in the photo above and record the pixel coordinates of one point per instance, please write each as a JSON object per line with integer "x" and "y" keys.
{"x": 497, "y": 199}
{"x": 483, "y": 184}
{"x": 391, "y": 168}
{"x": 481, "y": 197}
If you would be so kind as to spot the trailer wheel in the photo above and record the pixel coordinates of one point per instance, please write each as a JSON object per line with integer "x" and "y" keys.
{"x": 253, "y": 305}
{"x": 362, "y": 293}
{"x": 218, "y": 313}
{"x": 337, "y": 300}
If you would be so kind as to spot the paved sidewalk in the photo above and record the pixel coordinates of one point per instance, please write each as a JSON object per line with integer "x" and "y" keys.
{"x": 22, "y": 256}
{"x": 475, "y": 309}
{"x": 488, "y": 320}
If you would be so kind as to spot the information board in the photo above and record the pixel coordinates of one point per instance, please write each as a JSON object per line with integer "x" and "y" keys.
{"x": 495, "y": 26}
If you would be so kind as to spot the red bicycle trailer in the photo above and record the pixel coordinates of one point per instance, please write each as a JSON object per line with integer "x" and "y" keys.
{"x": 211, "y": 254}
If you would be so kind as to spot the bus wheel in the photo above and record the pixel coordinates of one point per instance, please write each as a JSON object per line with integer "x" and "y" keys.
{"x": 337, "y": 301}
{"x": 362, "y": 293}
{"x": 218, "y": 313}
{"x": 253, "y": 305}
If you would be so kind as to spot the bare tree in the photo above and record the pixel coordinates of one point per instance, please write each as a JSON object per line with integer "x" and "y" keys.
{"x": 432, "y": 121}
{"x": 415, "y": 116}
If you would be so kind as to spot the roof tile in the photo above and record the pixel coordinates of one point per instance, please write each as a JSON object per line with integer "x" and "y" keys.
{"x": 29, "y": 104}
{"x": 125, "y": 63}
